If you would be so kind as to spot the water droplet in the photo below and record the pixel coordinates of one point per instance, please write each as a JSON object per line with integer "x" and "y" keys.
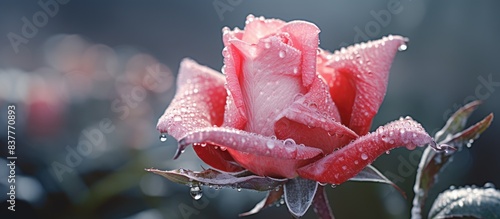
{"x": 356, "y": 162}
{"x": 289, "y": 141}
{"x": 469, "y": 143}
{"x": 322, "y": 183}
{"x": 489, "y": 185}
{"x": 203, "y": 144}
{"x": 333, "y": 186}
{"x": 238, "y": 189}
{"x": 295, "y": 70}
{"x": 452, "y": 187}
{"x": 387, "y": 152}
{"x": 267, "y": 45}
{"x": 297, "y": 96}
{"x": 364, "y": 156}
{"x": 250, "y": 18}
{"x": 177, "y": 118}
{"x": 270, "y": 144}
{"x": 313, "y": 106}
{"x": 223, "y": 148}
{"x": 344, "y": 168}
{"x": 403, "y": 47}
{"x": 282, "y": 54}
{"x": 196, "y": 192}
{"x": 163, "y": 137}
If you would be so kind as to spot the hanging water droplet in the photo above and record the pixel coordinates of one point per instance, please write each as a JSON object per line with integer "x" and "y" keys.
{"x": 364, "y": 156}
{"x": 223, "y": 148}
{"x": 403, "y": 47}
{"x": 196, "y": 192}
{"x": 469, "y": 143}
{"x": 452, "y": 187}
{"x": 238, "y": 189}
{"x": 282, "y": 54}
{"x": 163, "y": 137}
{"x": 322, "y": 183}
{"x": 333, "y": 186}
{"x": 387, "y": 152}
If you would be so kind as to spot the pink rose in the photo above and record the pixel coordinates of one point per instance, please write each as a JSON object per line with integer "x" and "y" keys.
{"x": 285, "y": 108}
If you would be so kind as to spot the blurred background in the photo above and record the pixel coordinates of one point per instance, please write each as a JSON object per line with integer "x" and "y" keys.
{"x": 89, "y": 80}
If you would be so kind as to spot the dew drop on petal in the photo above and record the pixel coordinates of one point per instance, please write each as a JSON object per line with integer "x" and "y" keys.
{"x": 196, "y": 192}
{"x": 177, "y": 118}
{"x": 163, "y": 137}
{"x": 295, "y": 70}
{"x": 267, "y": 45}
{"x": 282, "y": 54}
{"x": 344, "y": 168}
{"x": 364, "y": 156}
{"x": 270, "y": 144}
{"x": 289, "y": 141}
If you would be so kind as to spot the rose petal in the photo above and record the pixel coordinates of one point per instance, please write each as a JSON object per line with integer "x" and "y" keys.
{"x": 262, "y": 79}
{"x": 305, "y": 37}
{"x": 198, "y": 103}
{"x": 348, "y": 161}
{"x": 250, "y": 143}
{"x": 314, "y": 114}
{"x": 261, "y": 155}
{"x": 257, "y": 28}
{"x": 358, "y": 77}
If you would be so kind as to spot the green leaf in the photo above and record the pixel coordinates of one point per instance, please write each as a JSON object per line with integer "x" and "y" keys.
{"x": 433, "y": 162}
{"x": 299, "y": 194}
{"x": 457, "y": 121}
{"x": 371, "y": 174}
{"x": 210, "y": 177}
{"x": 272, "y": 197}
{"x": 467, "y": 202}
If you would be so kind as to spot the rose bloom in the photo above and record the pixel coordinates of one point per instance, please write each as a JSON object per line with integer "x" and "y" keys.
{"x": 285, "y": 108}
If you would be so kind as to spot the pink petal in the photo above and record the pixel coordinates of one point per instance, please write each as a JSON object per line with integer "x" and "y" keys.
{"x": 358, "y": 77}
{"x": 198, "y": 103}
{"x": 250, "y": 143}
{"x": 257, "y": 28}
{"x": 262, "y": 79}
{"x": 314, "y": 114}
{"x": 260, "y": 154}
{"x": 348, "y": 161}
{"x": 305, "y": 37}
